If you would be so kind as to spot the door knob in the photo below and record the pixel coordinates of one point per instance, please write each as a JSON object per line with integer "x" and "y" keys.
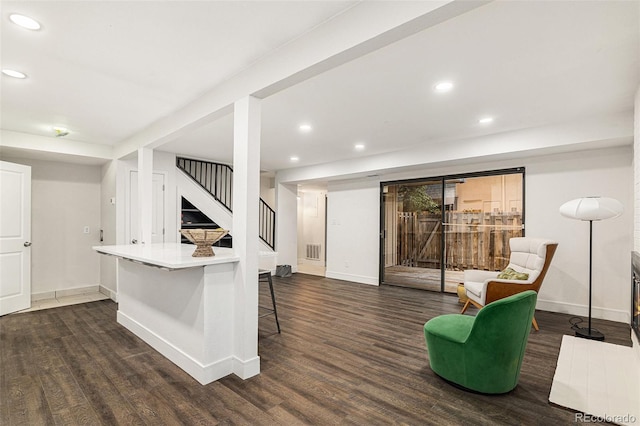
{"x": 134, "y": 241}
{"x": 27, "y": 244}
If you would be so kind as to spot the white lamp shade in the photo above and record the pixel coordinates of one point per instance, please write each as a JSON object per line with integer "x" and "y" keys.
{"x": 592, "y": 208}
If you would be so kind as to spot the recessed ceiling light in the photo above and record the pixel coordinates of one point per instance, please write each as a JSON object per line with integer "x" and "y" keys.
{"x": 14, "y": 73}
{"x": 24, "y": 21}
{"x": 359, "y": 147}
{"x": 486, "y": 120}
{"x": 294, "y": 158}
{"x": 305, "y": 128}
{"x": 443, "y": 86}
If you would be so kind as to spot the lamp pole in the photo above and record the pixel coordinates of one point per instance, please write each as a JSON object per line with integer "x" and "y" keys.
{"x": 591, "y": 208}
{"x": 590, "y": 270}
{"x": 588, "y": 333}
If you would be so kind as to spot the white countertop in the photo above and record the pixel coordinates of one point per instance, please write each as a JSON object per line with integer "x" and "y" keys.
{"x": 168, "y": 255}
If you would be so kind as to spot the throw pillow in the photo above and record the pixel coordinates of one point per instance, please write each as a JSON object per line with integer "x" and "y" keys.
{"x": 511, "y": 274}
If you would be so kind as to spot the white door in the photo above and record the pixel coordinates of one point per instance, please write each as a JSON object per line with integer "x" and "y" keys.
{"x": 157, "y": 223}
{"x": 15, "y": 237}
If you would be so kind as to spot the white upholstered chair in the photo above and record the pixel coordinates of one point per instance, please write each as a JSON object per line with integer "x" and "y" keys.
{"x": 528, "y": 255}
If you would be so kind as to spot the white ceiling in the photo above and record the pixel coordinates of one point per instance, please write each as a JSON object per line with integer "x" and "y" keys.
{"x": 106, "y": 70}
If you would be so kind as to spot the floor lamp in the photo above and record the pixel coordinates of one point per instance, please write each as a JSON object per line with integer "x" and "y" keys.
{"x": 591, "y": 208}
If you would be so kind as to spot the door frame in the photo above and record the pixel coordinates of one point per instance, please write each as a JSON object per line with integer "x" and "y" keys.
{"x": 443, "y": 179}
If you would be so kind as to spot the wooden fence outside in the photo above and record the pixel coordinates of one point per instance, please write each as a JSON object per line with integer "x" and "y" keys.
{"x": 473, "y": 240}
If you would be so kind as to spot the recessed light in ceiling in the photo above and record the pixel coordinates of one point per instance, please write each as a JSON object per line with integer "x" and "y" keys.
{"x": 294, "y": 158}
{"x": 359, "y": 147}
{"x": 486, "y": 120}
{"x": 443, "y": 87}
{"x": 24, "y": 21}
{"x": 14, "y": 73}
{"x": 305, "y": 128}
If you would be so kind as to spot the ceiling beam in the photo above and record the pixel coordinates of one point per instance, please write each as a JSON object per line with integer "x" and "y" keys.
{"x": 11, "y": 140}
{"x": 591, "y": 133}
{"x": 366, "y": 27}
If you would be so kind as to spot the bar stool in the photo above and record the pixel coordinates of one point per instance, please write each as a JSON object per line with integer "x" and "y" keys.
{"x": 265, "y": 276}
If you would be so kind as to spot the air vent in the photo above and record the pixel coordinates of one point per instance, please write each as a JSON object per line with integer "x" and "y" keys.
{"x": 313, "y": 251}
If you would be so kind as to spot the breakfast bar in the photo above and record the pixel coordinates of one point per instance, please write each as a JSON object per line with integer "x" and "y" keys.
{"x": 182, "y": 306}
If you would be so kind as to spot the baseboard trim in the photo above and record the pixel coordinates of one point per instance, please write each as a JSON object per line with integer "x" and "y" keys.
{"x": 583, "y": 311}
{"x": 203, "y": 373}
{"x": 246, "y": 369}
{"x": 43, "y": 296}
{"x": 66, "y": 292}
{"x": 109, "y": 293}
{"x": 350, "y": 277}
{"x": 78, "y": 290}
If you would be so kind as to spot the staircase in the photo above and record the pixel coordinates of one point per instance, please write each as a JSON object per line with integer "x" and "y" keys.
{"x": 217, "y": 179}
{"x": 193, "y": 218}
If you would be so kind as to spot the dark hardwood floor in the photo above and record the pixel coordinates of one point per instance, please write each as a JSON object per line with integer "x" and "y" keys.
{"x": 348, "y": 354}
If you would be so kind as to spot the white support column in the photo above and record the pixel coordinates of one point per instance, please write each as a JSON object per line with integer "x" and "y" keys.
{"x": 287, "y": 224}
{"x": 145, "y": 195}
{"x": 246, "y": 193}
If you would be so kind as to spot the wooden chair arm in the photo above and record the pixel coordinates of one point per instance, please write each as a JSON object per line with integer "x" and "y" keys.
{"x": 498, "y": 290}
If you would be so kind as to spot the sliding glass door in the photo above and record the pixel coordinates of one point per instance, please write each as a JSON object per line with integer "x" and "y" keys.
{"x": 413, "y": 234}
{"x": 433, "y": 229}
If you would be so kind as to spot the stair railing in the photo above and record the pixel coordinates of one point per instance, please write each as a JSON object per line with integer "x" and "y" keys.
{"x": 217, "y": 180}
{"x": 267, "y": 224}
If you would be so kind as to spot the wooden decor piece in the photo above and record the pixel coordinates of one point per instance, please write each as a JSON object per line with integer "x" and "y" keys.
{"x": 203, "y": 239}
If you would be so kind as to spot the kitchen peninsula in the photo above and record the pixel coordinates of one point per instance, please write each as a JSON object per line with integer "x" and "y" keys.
{"x": 182, "y": 306}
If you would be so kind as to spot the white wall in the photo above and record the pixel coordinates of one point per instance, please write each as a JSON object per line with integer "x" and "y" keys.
{"x": 353, "y": 228}
{"x": 108, "y": 224}
{"x": 551, "y": 181}
{"x": 268, "y": 190}
{"x": 65, "y": 198}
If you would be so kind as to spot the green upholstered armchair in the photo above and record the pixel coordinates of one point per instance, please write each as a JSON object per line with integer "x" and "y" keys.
{"x": 482, "y": 353}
